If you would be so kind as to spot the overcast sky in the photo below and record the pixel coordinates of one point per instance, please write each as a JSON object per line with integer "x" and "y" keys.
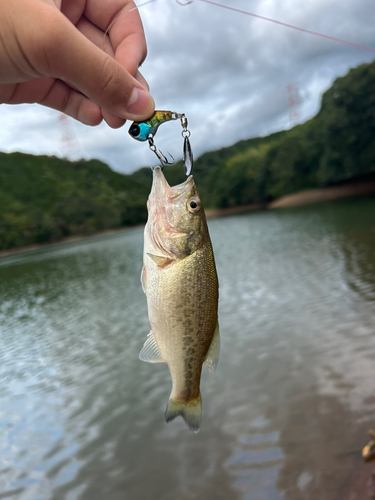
{"x": 228, "y": 73}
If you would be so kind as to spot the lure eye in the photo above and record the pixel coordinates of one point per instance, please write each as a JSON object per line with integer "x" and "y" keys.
{"x": 134, "y": 130}
{"x": 193, "y": 205}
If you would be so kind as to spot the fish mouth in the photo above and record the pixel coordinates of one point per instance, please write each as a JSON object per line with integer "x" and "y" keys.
{"x": 164, "y": 205}
{"x": 161, "y": 190}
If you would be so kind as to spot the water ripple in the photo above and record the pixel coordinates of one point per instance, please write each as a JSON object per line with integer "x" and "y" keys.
{"x": 82, "y": 418}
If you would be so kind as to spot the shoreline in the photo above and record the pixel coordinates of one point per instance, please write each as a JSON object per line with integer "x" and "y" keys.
{"x": 63, "y": 241}
{"x": 311, "y": 196}
{"x": 252, "y": 207}
{"x": 301, "y": 198}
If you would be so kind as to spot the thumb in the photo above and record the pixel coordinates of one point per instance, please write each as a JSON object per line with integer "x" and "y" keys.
{"x": 71, "y": 57}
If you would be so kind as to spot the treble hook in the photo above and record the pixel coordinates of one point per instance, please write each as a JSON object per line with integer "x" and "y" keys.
{"x": 146, "y": 130}
{"x": 163, "y": 159}
{"x": 161, "y": 156}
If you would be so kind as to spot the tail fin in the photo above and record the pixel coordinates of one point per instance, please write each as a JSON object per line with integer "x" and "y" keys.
{"x": 190, "y": 411}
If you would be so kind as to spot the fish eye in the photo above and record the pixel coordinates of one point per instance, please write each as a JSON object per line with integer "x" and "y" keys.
{"x": 134, "y": 130}
{"x": 193, "y": 205}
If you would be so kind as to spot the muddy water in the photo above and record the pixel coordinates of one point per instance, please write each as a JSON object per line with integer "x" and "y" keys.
{"x": 285, "y": 416}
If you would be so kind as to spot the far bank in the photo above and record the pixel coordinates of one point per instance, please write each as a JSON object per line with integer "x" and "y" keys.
{"x": 311, "y": 196}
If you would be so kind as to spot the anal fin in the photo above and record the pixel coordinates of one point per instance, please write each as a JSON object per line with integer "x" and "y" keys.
{"x": 212, "y": 357}
{"x": 150, "y": 351}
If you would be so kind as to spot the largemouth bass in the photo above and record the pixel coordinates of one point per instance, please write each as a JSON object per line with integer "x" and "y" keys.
{"x": 180, "y": 281}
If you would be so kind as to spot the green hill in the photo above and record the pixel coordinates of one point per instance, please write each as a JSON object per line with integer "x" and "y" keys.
{"x": 44, "y": 199}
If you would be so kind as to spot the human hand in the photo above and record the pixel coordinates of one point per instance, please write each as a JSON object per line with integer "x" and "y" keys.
{"x": 57, "y": 53}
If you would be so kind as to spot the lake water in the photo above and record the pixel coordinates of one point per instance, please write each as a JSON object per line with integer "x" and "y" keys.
{"x": 285, "y": 416}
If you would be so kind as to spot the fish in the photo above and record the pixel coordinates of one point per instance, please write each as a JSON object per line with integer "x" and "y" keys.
{"x": 181, "y": 285}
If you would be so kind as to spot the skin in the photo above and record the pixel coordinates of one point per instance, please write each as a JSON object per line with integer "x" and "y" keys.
{"x": 80, "y": 57}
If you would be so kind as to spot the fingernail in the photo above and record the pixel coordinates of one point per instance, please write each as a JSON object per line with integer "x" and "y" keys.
{"x": 140, "y": 102}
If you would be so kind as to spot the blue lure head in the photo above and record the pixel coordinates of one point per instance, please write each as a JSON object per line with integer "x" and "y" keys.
{"x": 141, "y": 130}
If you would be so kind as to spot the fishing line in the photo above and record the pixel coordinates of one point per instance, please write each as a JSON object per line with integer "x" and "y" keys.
{"x": 130, "y": 10}
{"x": 275, "y": 21}
{"x": 304, "y": 30}
{"x": 145, "y": 3}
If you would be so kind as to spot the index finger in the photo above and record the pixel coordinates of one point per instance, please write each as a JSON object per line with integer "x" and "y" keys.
{"x": 122, "y": 21}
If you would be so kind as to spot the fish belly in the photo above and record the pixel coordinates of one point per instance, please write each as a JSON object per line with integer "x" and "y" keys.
{"x": 182, "y": 302}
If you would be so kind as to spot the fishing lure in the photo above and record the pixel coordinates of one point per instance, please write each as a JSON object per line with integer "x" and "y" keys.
{"x": 146, "y": 130}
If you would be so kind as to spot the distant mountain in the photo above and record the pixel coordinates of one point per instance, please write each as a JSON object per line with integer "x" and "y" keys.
{"x": 45, "y": 199}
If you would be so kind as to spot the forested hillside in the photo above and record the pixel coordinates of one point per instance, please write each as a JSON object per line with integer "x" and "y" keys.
{"x": 45, "y": 199}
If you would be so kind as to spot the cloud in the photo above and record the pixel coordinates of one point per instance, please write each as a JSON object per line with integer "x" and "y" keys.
{"x": 227, "y": 71}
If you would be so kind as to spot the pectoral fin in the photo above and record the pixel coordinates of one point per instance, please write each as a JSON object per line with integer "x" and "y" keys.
{"x": 160, "y": 260}
{"x": 150, "y": 351}
{"x": 212, "y": 357}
